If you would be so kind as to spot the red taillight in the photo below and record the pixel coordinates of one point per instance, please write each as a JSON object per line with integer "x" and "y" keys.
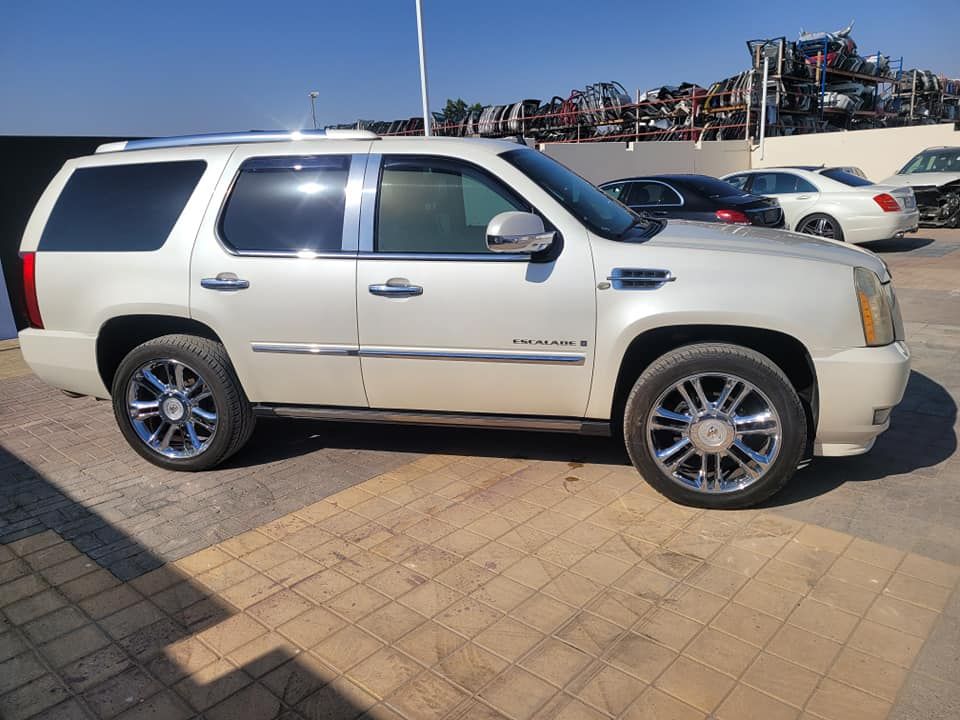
{"x": 733, "y": 216}
{"x": 29, "y": 260}
{"x": 887, "y": 203}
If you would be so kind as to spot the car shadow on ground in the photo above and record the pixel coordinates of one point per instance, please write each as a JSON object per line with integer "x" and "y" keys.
{"x": 147, "y": 609}
{"x": 277, "y": 439}
{"x": 923, "y": 422}
{"x": 898, "y": 245}
{"x": 920, "y": 437}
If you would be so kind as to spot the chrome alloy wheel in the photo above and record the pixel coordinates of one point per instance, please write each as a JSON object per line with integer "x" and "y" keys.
{"x": 171, "y": 408}
{"x": 714, "y": 433}
{"x": 821, "y": 227}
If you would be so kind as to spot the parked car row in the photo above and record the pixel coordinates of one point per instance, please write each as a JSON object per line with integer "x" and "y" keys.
{"x": 831, "y": 202}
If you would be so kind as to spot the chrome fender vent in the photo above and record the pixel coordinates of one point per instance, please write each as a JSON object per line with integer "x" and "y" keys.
{"x": 639, "y": 278}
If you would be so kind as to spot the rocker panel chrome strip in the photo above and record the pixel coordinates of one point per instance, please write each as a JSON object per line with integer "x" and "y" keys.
{"x": 304, "y": 349}
{"x": 476, "y": 356}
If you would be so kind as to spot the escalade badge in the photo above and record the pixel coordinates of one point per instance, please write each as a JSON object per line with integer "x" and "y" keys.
{"x": 554, "y": 343}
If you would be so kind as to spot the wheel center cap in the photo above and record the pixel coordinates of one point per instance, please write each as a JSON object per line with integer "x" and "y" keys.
{"x": 173, "y": 409}
{"x": 711, "y": 435}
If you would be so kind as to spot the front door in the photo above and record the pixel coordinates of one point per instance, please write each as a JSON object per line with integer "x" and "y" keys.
{"x": 445, "y": 325}
{"x": 274, "y": 272}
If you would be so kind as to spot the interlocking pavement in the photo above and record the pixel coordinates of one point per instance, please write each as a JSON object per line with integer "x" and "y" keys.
{"x": 338, "y": 571}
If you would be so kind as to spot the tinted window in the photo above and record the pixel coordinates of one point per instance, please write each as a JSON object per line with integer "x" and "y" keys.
{"x": 615, "y": 190}
{"x": 600, "y": 213}
{"x": 650, "y": 194}
{"x": 738, "y": 181}
{"x": 287, "y": 205}
{"x": 711, "y": 187}
{"x": 433, "y": 205}
{"x": 120, "y": 207}
{"x": 779, "y": 183}
{"x": 842, "y": 176}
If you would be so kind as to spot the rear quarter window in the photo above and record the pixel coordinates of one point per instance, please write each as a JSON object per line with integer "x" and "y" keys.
{"x": 120, "y": 208}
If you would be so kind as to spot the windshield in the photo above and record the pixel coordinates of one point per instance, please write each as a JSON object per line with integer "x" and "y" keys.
{"x": 942, "y": 160}
{"x": 601, "y": 214}
{"x": 842, "y": 176}
{"x": 711, "y": 187}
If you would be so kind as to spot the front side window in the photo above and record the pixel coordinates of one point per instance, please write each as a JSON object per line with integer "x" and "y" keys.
{"x": 437, "y": 205}
{"x": 652, "y": 194}
{"x": 616, "y": 190}
{"x": 120, "y": 208}
{"x": 287, "y": 205}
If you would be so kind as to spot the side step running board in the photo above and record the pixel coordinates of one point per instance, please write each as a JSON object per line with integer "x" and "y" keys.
{"x": 419, "y": 417}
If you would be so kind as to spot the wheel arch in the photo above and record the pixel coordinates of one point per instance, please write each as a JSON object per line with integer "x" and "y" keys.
{"x": 119, "y": 335}
{"x": 785, "y": 351}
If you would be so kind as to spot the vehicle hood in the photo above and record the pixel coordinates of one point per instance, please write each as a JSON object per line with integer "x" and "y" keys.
{"x": 750, "y": 239}
{"x": 928, "y": 178}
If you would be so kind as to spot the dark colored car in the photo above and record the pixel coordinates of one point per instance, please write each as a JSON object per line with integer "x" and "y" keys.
{"x": 695, "y": 197}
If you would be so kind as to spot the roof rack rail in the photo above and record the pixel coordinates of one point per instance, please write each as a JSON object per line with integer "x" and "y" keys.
{"x": 233, "y": 138}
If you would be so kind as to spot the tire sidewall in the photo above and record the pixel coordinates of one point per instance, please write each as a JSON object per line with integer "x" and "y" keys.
{"x": 772, "y": 383}
{"x": 152, "y": 351}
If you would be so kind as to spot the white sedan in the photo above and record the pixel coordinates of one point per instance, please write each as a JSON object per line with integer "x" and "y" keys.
{"x": 833, "y": 203}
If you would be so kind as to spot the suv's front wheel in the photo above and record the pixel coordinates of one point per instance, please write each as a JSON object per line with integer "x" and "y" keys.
{"x": 179, "y": 404}
{"x": 715, "y": 425}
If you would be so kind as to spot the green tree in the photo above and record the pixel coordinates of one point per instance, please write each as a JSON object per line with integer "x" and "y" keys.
{"x": 456, "y": 111}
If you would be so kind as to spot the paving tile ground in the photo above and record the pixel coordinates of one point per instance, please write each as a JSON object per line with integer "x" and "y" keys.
{"x": 399, "y": 573}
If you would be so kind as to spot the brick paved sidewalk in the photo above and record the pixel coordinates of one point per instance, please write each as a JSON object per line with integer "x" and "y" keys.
{"x": 480, "y": 588}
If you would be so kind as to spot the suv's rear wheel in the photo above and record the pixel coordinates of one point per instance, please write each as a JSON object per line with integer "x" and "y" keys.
{"x": 715, "y": 425}
{"x": 179, "y": 404}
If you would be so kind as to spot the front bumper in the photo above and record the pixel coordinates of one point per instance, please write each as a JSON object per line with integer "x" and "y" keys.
{"x": 854, "y": 384}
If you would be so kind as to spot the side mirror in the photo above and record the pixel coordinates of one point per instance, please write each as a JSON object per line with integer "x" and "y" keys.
{"x": 517, "y": 232}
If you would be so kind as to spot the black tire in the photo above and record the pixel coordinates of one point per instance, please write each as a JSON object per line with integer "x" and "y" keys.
{"x": 734, "y": 360}
{"x": 810, "y": 219}
{"x": 235, "y": 419}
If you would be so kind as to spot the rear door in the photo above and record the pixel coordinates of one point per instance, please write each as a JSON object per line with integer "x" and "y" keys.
{"x": 655, "y": 198}
{"x": 797, "y": 196}
{"x": 274, "y": 271}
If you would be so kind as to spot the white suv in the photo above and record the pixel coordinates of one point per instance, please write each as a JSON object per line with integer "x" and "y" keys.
{"x": 204, "y": 281}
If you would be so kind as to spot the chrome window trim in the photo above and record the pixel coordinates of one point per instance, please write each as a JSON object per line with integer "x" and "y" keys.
{"x": 658, "y": 182}
{"x": 438, "y": 257}
{"x": 476, "y": 356}
{"x": 304, "y": 349}
{"x": 353, "y": 195}
{"x": 348, "y": 212}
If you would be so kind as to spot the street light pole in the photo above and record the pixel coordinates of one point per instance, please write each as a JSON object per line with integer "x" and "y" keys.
{"x": 423, "y": 72}
{"x": 313, "y": 106}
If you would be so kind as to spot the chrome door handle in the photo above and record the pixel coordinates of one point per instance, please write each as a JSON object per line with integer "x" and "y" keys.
{"x": 803, "y": 197}
{"x": 225, "y": 281}
{"x": 393, "y": 288}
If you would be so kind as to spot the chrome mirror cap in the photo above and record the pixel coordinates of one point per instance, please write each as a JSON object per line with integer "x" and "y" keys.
{"x": 518, "y": 232}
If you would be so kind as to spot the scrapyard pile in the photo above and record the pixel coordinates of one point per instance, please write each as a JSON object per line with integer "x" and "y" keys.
{"x": 819, "y": 83}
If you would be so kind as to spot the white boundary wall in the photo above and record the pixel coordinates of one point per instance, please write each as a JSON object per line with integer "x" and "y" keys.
{"x": 879, "y": 153}
{"x": 601, "y": 161}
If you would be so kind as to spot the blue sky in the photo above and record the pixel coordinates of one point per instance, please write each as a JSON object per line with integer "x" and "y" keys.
{"x": 123, "y": 68}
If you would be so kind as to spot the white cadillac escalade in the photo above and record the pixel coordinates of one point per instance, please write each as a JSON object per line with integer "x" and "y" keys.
{"x": 203, "y": 281}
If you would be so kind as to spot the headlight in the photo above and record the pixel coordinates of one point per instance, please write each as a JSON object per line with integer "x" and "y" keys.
{"x": 875, "y": 311}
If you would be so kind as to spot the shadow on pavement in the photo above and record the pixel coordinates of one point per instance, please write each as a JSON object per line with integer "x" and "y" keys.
{"x": 126, "y": 625}
{"x": 279, "y": 439}
{"x": 921, "y": 435}
{"x": 898, "y": 245}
